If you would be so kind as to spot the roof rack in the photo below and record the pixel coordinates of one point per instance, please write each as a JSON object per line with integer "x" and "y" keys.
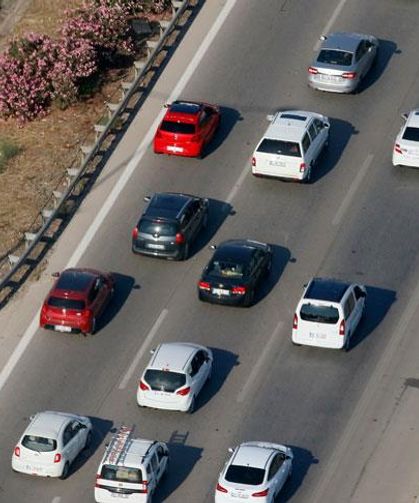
{"x": 119, "y": 445}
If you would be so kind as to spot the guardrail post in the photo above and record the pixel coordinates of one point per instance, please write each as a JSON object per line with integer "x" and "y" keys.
{"x": 46, "y": 214}
{"x": 85, "y": 150}
{"x": 13, "y": 259}
{"x": 99, "y": 128}
{"x": 176, "y": 4}
{"x": 164, "y": 24}
{"x": 72, "y": 173}
{"x": 126, "y": 87}
{"x": 112, "y": 108}
{"x": 29, "y": 238}
{"x": 138, "y": 67}
{"x": 151, "y": 45}
{"x": 57, "y": 197}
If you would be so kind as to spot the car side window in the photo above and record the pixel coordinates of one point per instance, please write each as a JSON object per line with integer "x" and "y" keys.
{"x": 358, "y": 293}
{"x": 148, "y": 468}
{"x": 275, "y": 466}
{"x": 68, "y": 434}
{"x": 195, "y": 207}
{"x": 187, "y": 216}
{"x": 155, "y": 462}
{"x": 318, "y": 124}
{"x": 160, "y": 453}
{"x": 360, "y": 50}
{"x": 203, "y": 120}
{"x": 195, "y": 365}
{"x": 312, "y": 131}
{"x": 306, "y": 143}
{"x": 349, "y": 305}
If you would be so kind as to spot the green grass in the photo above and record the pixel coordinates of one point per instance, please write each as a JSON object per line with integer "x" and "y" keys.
{"x": 8, "y": 149}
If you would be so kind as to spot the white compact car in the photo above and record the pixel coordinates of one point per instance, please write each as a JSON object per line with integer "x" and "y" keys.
{"x": 174, "y": 377}
{"x": 256, "y": 471}
{"x": 328, "y": 313}
{"x": 406, "y": 147}
{"x": 291, "y": 145}
{"x": 50, "y": 443}
{"x": 131, "y": 469}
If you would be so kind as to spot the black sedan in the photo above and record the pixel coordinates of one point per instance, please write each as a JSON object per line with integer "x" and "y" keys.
{"x": 233, "y": 273}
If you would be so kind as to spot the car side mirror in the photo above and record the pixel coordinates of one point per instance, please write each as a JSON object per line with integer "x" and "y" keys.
{"x": 363, "y": 294}
{"x": 147, "y": 199}
{"x": 166, "y": 105}
{"x": 326, "y": 125}
{"x": 31, "y": 418}
{"x": 323, "y": 37}
{"x": 404, "y": 116}
{"x": 270, "y": 117}
{"x": 212, "y": 247}
{"x": 55, "y": 274}
{"x": 231, "y": 450}
{"x": 152, "y": 351}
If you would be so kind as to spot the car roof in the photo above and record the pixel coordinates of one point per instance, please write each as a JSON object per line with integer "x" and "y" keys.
{"x": 237, "y": 249}
{"x": 249, "y": 454}
{"x": 137, "y": 449}
{"x": 48, "y": 424}
{"x": 344, "y": 41}
{"x": 173, "y": 356}
{"x": 289, "y": 125}
{"x": 326, "y": 289}
{"x": 167, "y": 205}
{"x": 413, "y": 119}
{"x": 75, "y": 280}
{"x": 183, "y": 111}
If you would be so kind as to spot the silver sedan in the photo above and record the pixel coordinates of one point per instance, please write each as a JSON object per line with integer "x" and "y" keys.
{"x": 342, "y": 61}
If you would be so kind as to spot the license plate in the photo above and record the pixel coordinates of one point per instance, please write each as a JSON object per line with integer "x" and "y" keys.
{"x": 239, "y": 495}
{"x": 172, "y": 148}
{"x": 280, "y": 164}
{"x": 220, "y": 291}
{"x": 330, "y": 77}
{"x": 315, "y": 335}
{"x": 116, "y": 495}
{"x": 62, "y": 328}
{"x": 155, "y": 246}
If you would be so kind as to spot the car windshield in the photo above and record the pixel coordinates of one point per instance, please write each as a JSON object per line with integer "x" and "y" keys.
{"x": 411, "y": 134}
{"x": 164, "y": 380}
{"x": 279, "y": 147}
{"x": 39, "y": 444}
{"x": 321, "y": 314}
{"x": 121, "y": 474}
{"x": 160, "y": 228}
{"x": 177, "y": 127}
{"x": 335, "y": 57}
{"x": 245, "y": 475}
{"x": 77, "y": 305}
{"x": 226, "y": 269}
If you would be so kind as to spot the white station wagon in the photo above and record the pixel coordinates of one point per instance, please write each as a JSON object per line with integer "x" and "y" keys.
{"x": 291, "y": 145}
{"x": 406, "y": 147}
{"x": 328, "y": 313}
{"x": 50, "y": 443}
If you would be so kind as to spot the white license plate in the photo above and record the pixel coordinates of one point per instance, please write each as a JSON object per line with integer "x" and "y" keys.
{"x": 239, "y": 495}
{"x": 120, "y": 495}
{"x": 220, "y": 291}
{"x": 330, "y": 77}
{"x": 280, "y": 164}
{"x": 155, "y": 246}
{"x": 62, "y": 328}
{"x": 315, "y": 335}
{"x": 172, "y": 148}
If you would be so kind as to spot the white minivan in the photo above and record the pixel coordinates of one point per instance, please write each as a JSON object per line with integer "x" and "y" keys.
{"x": 291, "y": 145}
{"x": 328, "y": 313}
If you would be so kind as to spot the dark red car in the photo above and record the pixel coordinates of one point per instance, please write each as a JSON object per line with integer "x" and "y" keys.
{"x": 186, "y": 128}
{"x": 77, "y": 299}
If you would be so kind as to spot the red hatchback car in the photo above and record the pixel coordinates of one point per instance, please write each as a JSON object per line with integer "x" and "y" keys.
{"x": 76, "y": 300}
{"x": 186, "y": 128}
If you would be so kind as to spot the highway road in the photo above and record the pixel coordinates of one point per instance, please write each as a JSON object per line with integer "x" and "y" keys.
{"x": 357, "y": 221}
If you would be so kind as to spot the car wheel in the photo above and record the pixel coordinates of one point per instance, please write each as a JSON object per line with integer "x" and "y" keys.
{"x": 65, "y": 472}
{"x": 192, "y": 406}
{"x": 185, "y": 252}
{"x": 88, "y": 442}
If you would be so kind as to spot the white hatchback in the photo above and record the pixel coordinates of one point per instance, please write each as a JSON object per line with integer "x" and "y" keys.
{"x": 328, "y": 313}
{"x": 291, "y": 145}
{"x": 50, "y": 443}
{"x": 406, "y": 147}
{"x": 256, "y": 471}
{"x": 175, "y": 375}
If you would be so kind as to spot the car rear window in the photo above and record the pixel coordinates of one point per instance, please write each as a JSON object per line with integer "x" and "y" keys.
{"x": 245, "y": 475}
{"x": 39, "y": 444}
{"x": 77, "y": 305}
{"x": 334, "y": 57}
{"x": 321, "y": 314}
{"x": 279, "y": 147}
{"x": 411, "y": 134}
{"x": 177, "y": 127}
{"x": 121, "y": 474}
{"x": 224, "y": 269}
{"x": 164, "y": 380}
{"x": 160, "y": 228}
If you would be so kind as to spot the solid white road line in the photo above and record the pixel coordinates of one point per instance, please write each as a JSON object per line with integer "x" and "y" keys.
{"x": 142, "y": 349}
{"x": 119, "y": 186}
{"x": 329, "y": 24}
{"x": 261, "y": 361}
{"x": 238, "y": 183}
{"x": 352, "y": 189}
{"x": 57, "y": 499}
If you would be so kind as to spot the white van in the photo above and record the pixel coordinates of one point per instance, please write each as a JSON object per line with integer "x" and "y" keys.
{"x": 328, "y": 313}
{"x": 130, "y": 469}
{"x": 291, "y": 145}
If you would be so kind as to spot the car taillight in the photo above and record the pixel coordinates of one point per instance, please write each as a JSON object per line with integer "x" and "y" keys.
{"x": 295, "y": 322}
{"x": 253, "y": 161}
{"x": 135, "y": 233}
{"x": 143, "y": 386}
{"x": 261, "y": 493}
{"x": 302, "y": 167}
{"x": 17, "y": 451}
{"x": 397, "y": 148}
{"x": 57, "y": 458}
{"x": 144, "y": 490}
{"x": 203, "y": 285}
{"x": 180, "y": 238}
{"x": 184, "y": 391}
{"x": 221, "y": 488}
{"x": 312, "y": 70}
{"x": 238, "y": 290}
{"x": 342, "y": 328}
{"x": 349, "y": 75}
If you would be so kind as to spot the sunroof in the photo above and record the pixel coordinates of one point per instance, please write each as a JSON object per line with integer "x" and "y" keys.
{"x": 294, "y": 117}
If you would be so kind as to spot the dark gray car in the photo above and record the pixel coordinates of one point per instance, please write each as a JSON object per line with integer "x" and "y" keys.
{"x": 169, "y": 225}
{"x": 342, "y": 61}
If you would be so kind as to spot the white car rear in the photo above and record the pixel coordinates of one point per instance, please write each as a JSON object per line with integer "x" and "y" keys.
{"x": 291, "y": 145}
{"x": 51, "y": 443}
{"x": 406, "y": 147}
{"x": 328, "y": 313}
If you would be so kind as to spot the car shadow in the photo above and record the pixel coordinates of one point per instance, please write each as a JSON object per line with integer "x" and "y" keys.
{"x": 100, "y": 429}
{"x": 218, "y": 211}
{"x": 386, "y": 51}
{"x": 341, "y": 132}
{"x": 281, "y": 256}
{"x": 378, "y": 303}
{"x": 224, "y": 362}
{"x": 182, "y": 459}
{"x": 303, "y": 459}
{"x": 229, "y": 118}
{"x": 123, "y": 286}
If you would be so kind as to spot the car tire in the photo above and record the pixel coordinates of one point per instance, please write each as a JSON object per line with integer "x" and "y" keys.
{"x": 66, "y": 471}
{"x": 295, "y": 343}
{"x": 191, "y": 409}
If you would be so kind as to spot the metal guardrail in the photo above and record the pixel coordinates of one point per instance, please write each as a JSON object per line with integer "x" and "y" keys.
{"x": 115, "y": 112}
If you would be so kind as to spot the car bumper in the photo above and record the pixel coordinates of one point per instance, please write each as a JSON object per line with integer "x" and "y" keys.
{"x": 181, "y": 404}
{"x": 227, "y": 498}
{"x": 319, "y": 342}
{"x": 105, "y": 496}
{"x": 183, "y": 150}
{"x": 172, "y": 254}
{"x": 345, "y": 86}
{"x": 403, "y": 160}
{"x": 40, "y": 471}
{"x": 266, "y": 173}
{"x": 228, "y": 300}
